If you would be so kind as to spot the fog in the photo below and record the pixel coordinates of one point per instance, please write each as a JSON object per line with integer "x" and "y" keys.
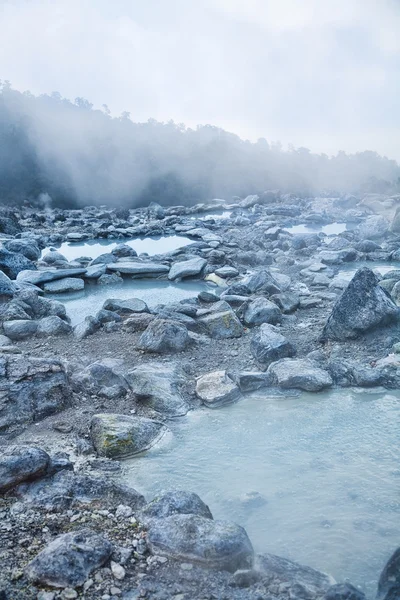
{"x": 300, "y": 75}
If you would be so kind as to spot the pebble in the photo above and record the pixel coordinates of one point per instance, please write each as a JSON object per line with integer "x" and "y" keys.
{"x": 117, "y": 570}
{"x": 69, "y": 594}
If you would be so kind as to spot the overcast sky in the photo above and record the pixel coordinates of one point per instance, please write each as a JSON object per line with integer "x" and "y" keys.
{"x": 324, "y": 74}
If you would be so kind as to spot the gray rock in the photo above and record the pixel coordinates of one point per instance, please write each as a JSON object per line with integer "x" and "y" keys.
{"x": 245, "y": 578}
{"x": 103, "y": 259}
{"x": 31, "y": 389}
{"x": 52, "y": 326}
{"x": 41, "y": 277}
{"x": 176, "y": 502}
{"x": 101, "y": 378}
{"x": 262, "y": 281}
{"x": 226, "y": 272}
{"x": 119, "y": 436}
{"x": 12, "y": 263}
{"x": 123, "y": 251}
{"x": 27, "y": 248}
{"x": 248, "y": 381}
{"x": 20, "y": 330}
{"x": 217, "y": 389}
{"x": 69, "y": 559}
{"x": 215, "y": 544}
{"x": 87, "y": 327}
{"x": 126, "y": 307}
{"x": 374, "y": 226}
{"x": 287, "y": 302}
{"x": 64, "y": 286}
{"x": 187, "y": 268}
{"x": 221, "y": 325}
{"x": 395, "y": 224}
{"x": 313, "y": 583}
{"x": 269, "y": 345}
{"x": 138, "y": 322}
{"x": 110, "y": 279}
{"x": 19, "y": 463}
{"x": 363, "y": 306}
{"x": 95, "y": 271}
{"x": 67, "y": 489}
{"x": 108, "y": 316}
{"x": 344, "y": 591}
{"x": 261, "y": 311}
{"x": 157, "y": 386}
{"x": 300, "y": 374}
{"x": 163, "y": 336}
{"x": 7, "y": 287}
{"x": 139, "y": 268}
{"x": 53, "y": 257}
{"x": 389, "y": 581}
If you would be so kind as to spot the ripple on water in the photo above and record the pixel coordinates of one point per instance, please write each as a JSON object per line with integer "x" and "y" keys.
{"x": 326, "y": 467}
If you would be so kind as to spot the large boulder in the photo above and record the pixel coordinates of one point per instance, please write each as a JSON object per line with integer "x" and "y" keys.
{"x": 157, "y": 386}
{"x": 7, "y": 287}
{"x": 314, "y": 584}
{"x": 363, "y": 306}
{"x": 20, "y": 329}
{"x": 31, "y": 389}
{"x": 374, "y": 226}
{"x": 173, "y": 503}
{"x": 187, "y": 268}
{"x": 27, "y": 248}
{"x": 41, "y": 277}
{"x": 300, "y": 374}
{"x": 217, "y": 389}
{"x": 269, "y": 345}
{"x": 119, "y": 436}
{"x": 65, "y": 286}
{"x": 190, "y": 538}
{"x": 101, "y": 378}
{"x": 389, "y": 581}
{"x": 52, "y": 326}
{"x": 67, "y": 489}
{"x": 163, "y": 336}
{"x": 20, "y": 463}
{"x": 12, "y": 263}
{"x": 261, "y": 311}
{"x": 69, "y": 559}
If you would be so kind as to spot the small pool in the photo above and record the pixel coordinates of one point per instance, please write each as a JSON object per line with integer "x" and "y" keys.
{"x": 348, "y": 271}
{"x": 314, "y": 478}
{"x": 149, "y": 245}
{"x": 208, "y": 216}
{"x": 330, "y": 229}
{"x": 82, "y": 304}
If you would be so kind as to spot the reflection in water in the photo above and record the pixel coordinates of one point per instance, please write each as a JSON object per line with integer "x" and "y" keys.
{"x": 314, "y": 478}
{"x": 330, "y": 229}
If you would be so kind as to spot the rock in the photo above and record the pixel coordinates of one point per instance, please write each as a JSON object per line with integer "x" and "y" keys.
{"x": 262, "y": 281}
{"x": 217, "y": 389}
{"x": 53, "y": 257}
{"x": 261, "y": 311}
{"x": 7, "y": 287}
{"x": 123, "y": 251}
{"x": 95, "y": 272}
{"x": 138, "y": 321}
{"x": 269, "y": 345}
{"x": 244, "y": 578}
{"x": 20, "y": 330}
{"x": 64, "y": 286}
{"x": 141, "y": 269}
{"x": 395, "y": 224}
{"x": 118, "y": 436}
{"x": 374, "y": 226}
{"x": 117, "y": 570}
{"x": 157, "y": 386}
{"x": 176, "y": 502}
{"x": 163, "y": 336}
{"x": 9, "y": 224}
{"x": 226, "y": 272}
{"x": 363, "y": 306}
{"x": 215, "y": 544}
{"x": 187, "y": 268}
{"x": 52, "y": 326}
{"x": 87, "y": 327}
{"x": 287, "y": 302}
{"x": 69, "y": 559}
{"x": 101, "y": 378}
{"x": 31, "y": 389}
{"x": 367, "y": 246}
{"x": 300, "y": 374}
{"x": 41, "y": 277}
{"x": 249, "y": 381}
{"x": 108, "y": 316}
{"x": 126, "y": 307}
{"x": 313, "y": 583}
{"x": 110, "y": 279}
{"x": 389, "y": 581}
{"x": 67, "y": 489}
{"x": 19, "y": 463}
{"x": 344, "y": 591}
{"x": 12, "y": 263}
{"x": 27, "y": 248}
{"x": 221, "y": 324}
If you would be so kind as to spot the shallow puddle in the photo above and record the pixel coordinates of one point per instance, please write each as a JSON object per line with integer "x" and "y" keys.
{"x": 94, "y": 248}
{"x": 81, "y": 304}
{"x": 314, "y": 478}
{"x": 330, "y": 229}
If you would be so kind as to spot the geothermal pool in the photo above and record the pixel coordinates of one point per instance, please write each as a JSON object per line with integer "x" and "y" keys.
{"x": 94, "y": 248}
{"x": 330, "y": 229}
{"x": 315, "y": 478}
{"x": 81, "y": 304}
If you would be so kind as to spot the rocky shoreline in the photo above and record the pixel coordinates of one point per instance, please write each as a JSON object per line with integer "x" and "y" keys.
{"x": 277, "y": 313}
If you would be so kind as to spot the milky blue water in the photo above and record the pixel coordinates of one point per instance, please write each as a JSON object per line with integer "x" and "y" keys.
{"x": 94, "y": 248}
{"x": 325, "y": 468}
{"x": 347, "y": 271}
{"x": 82, "y": 304}
{"x": 330, "y": 229}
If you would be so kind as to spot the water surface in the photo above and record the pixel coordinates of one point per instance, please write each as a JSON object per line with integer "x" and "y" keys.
{"x": 330, "y": 229}
{"x": 347, "y": 271}
{"x": 326, "y": 466}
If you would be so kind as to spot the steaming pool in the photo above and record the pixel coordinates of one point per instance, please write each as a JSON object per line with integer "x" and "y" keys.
{"x": 330, "y": 229}
{"x": 88, "y": 302}
{"x": 315, "y": 478}
{"x": 94, "y": 248}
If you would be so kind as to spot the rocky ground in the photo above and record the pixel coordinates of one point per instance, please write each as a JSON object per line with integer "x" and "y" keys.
{"x": 74, "y": 401}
